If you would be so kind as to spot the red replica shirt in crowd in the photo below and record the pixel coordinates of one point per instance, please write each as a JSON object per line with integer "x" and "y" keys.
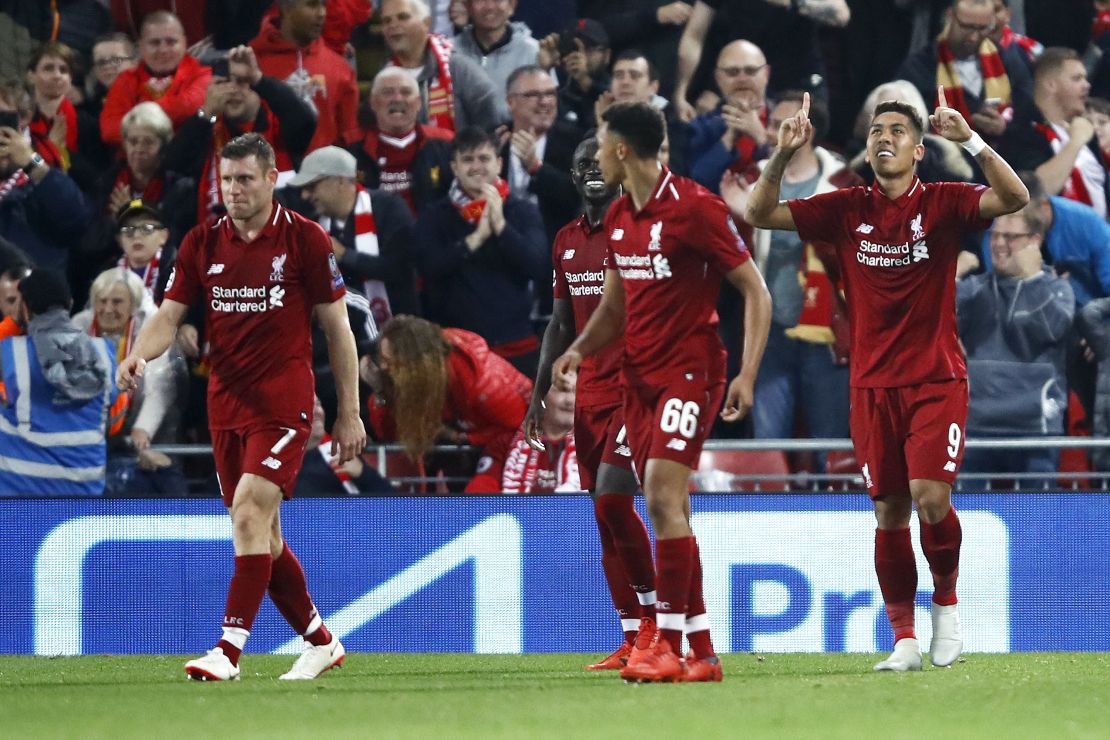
{"x": 258, "y": 298}
{"x": 898, "y": 260}
{"x": 180, "y": 95}
{"x": 517, "y": 468}
{"x": 579, "y": 258}
{"x": 395, "y": 157}
{"x": 671, "y": 257}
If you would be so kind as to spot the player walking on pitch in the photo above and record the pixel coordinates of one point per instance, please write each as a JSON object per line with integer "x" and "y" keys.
{"x": 670, "y": 244}
{"x": 897, "y": 243}
{"x": 604, "y": 459}
{"x": 263, "y": 272}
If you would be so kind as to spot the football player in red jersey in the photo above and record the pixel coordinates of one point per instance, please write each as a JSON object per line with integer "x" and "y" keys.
{"x": 670, "y": 244}
{"x": 897, "y": 243}
{"x": 604, "y": 460}
{"x": 263, "y": 273}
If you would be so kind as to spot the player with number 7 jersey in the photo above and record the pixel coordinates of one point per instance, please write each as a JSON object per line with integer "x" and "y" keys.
{"x": 897, "y": 243}
{"x": 671, "y": 243}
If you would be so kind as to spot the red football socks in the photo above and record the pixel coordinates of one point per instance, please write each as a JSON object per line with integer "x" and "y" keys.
{"x": 897, "y": 571}
{"x": 624, "y": 598}
{"x": 289, "y": 592}
{"x": 632, "y": 543}
{"x": 674, "y": 569}
{"x": 244, "y": 597}
{"x": 941, "y": 544}
{"x": 697, "y": 622}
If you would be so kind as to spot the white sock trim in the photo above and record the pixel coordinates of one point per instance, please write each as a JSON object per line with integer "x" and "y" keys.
{"x": 697, "y": 623}
{"x": 314, "y": 625}
{"x": 630, "y": 625}
{"x": 236, "y": 636}
{"x": 671, "y": 621}
{"x": 646, "y": 599}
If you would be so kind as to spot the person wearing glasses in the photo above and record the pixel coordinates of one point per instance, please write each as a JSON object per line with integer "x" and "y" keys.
{"x": 985, "y": 83}
{"x": 112, "y": 54}
{"x": 145, "y": 246}
{"x": 1014, "y": 322}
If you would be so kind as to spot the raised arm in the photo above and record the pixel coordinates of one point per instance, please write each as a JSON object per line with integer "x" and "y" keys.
{"x": 1006, "y": 193}
{"x": 765, "y": 210}
{"x": 605, "y": 325}
{"x": 348, "y": 433}
{"x": 154, "y": 339}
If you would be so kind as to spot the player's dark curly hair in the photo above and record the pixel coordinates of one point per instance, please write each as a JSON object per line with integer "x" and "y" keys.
{"x": 640, "y": 125}
{"x": 416, "y": 383}
{"x": 904, "y": 109}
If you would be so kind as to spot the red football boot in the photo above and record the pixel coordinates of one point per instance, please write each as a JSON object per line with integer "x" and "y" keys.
{"x": 617, "y": 660}
{"x": 706, "y": 669}
{"x": 659, "y": 663}
{"x": 644, "y": 635}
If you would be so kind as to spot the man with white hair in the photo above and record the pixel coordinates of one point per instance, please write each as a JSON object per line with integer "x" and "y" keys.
{"x": 454, "y": 91}
{"x": 396, "y": 153}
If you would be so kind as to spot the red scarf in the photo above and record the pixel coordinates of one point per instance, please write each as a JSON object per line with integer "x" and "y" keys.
{"x": 149, "y": 273}
{"x": 1076, "y": 187}
{"x": 324, "y": 448}
{"x": 747, "y": 147}
{"x": 470, "y": 208}
{"x": 1101, "y": 25}
{"x": 40, "y": 132}
{"x": 996, "y": 83}
{"x": 151, "y": 192}
{"x": 366, "y": 242}
{"x": 1031, "y": 47}
{"x": 441, "y": 89}
{"x": 17, "y": 180}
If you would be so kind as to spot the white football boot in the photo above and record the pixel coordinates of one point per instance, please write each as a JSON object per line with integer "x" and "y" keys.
{"x": 213, "y": 666}
{"x": 315, "y": 659}
{"x": 906, "y": 657}
{"x": 947, "y": 642}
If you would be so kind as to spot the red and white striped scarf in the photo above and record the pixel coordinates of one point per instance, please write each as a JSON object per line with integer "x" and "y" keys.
{"x": 149, "y": 272}
{"x": 996, "y": 83}
{"x": 441, "y": 89}
{"x": 1075, "y": 187}
{"x": 366, "y": 242}
{"x": 324, "y": 448}
{"x": 17, "y": 180}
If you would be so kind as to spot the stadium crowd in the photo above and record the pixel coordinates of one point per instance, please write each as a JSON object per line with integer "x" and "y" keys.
{"x": 434, "y": 141}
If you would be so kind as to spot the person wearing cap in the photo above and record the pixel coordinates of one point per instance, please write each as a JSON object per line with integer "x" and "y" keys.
{"x": 143, "y": 241}
{"x": 242, "y": 101}
{"x": 586, "y": 64}
{"x": 454, "y": 90}
{"x": 369, "y": 230}
{"x": 498, "y": 45}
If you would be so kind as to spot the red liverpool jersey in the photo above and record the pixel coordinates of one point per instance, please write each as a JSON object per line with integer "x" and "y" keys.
{"x": 579, "y": 259}
{"x": 898, "y": 259}
{"x": 672, "y": 256}
{"x": 258, "y": 298}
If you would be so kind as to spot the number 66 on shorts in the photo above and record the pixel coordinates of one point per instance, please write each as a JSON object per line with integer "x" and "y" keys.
{"x": 671, "y": 422}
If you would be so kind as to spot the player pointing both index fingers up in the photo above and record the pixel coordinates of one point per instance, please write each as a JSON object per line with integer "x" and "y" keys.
{"x": 897, "y": 243}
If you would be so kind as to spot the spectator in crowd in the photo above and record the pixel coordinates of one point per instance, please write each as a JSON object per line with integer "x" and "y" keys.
{"x": 13, "y": 268}
{"x": 240, "y": 99}
{"x": 1076, "y": 242}
{"x": 112, "y": 54}
{"x": 584, "y": 52}
{"x": 343, "y": 17}
{"x": 1055, "y": 138}
{"x": 370, "y": 231}
{"x": 496, "y": 44}
{"x": 59, "y": 382}
{"x": 42, "y": 211}
{"x": 512, "y": 465}
{"x": 397, "y": 154}
{"x": 653, "y": 27}
{"x": 144, "y": 243}
{"x": 119, "y": 304}
{"x": 79, "y": 23}
{"x": 803, "y": 375}
{"x": 290, "y": 49}
{"x": 1014, "y": 322}
{"x": 797, "y": 65}
{"x": 436, "y": 385}
{"x": 130, "y": 15}
{"x": 54, "y": 123}
{"x": 1093, "y": 323}
{"x": 481, "y": 250}
{"x": 166, "y": 75}
{"x": 322, "y": 475}
{"x": 1098, "y": 113}
{"x": 734, "y": 135}
{"x": 537, "y": 157}
{"x": 943, "y": 161}
{"x": 984, "y": 83}
{"x": 1004, "y": 36}
{"x": 454, "y": 90}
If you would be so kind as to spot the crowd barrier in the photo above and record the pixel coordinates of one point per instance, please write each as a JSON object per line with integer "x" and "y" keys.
{"x": 510, "y": 574}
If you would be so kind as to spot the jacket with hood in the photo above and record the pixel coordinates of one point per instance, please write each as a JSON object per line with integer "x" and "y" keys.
{"x": 517, "y": 49}
{"x": 183, "y": 97}
{"x": 476, "y": 100}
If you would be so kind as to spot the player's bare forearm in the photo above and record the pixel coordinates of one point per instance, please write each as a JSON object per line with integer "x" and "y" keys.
{"x": 556, "y": 338}
{"x": 343, "y": 358}
{"x": 757, "y": 315}
{"x": 690, "y": 47}
{"x": 159, "y": 331}
{"x": 607, "y": 322}
{"x": 765, "y": 210}
{"x": 1007, "y": 193}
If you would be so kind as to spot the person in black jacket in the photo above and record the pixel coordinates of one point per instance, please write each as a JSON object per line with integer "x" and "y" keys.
{"x": 481, "y": 251}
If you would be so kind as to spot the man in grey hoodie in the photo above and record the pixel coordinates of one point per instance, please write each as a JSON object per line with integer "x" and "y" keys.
{"x": 495, "y": 43}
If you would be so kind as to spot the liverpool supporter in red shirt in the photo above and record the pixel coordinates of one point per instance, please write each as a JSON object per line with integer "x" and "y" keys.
{"x": 167, "y": 75}
{"x": 263, "y": 273}
{"x": 604, "y": 460}
{"x": 670, "y": 244}
{"x": 897, "y": 243}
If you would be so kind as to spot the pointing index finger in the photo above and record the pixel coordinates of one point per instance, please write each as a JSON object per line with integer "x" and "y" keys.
{"x": 942, "y": 102}
{"x": 805, "y": 104}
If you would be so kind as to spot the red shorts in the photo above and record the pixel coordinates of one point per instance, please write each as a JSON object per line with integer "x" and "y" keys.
{"x": 269, "y": 451}
{"x": 671, "y": 421}
{"x": 908, "y": 433}
{"x": 600, "y": 437}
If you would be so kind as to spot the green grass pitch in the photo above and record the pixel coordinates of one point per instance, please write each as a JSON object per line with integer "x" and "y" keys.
{"x": 1031, "y": 695}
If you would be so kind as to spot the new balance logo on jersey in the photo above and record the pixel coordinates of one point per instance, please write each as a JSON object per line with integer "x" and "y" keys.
{"x": 661, "y": 266}
{"x": 569, "y": 254}
{"x": 950, "y": 467}
{"x": 617, "y": 235}
{"x": 676, "y": 444}
{"x": 216, "y": 269}
{"x": 277, "y": 293}
{"x": 865, "y": 228}
{"x": 623, "y": 451}
{"x": 277, "y": 267}
{"x": 272, "y": 463}
{"x": 655, "y": 244}
{"x": 920, "y": 251}
{"x": 917, "y": 233}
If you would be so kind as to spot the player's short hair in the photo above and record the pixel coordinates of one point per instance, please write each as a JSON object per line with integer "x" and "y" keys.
{"x": 516, "y": 74}
{"x": 818, "y": 111}
{"x": 158, "y": 18}
{"x": 149, "y": 115}
{"x": 1052, "y": 61}
{"x": 113, "y": 276}
{"x": 905, "y": 109}
{"x": 1099, "y": 105}
{"x": 590, "y": 140}
{"x": 1032, "y": 182}
{"x": 15, "y": 93}
{"x": 55, "y": 49}
{"x": 641, "y": 125}
{"x": 474, "y": 137}
{"x": 250, "y": 145}
{"x": 43, "y": 290}
{"x": 631, "y": 55}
